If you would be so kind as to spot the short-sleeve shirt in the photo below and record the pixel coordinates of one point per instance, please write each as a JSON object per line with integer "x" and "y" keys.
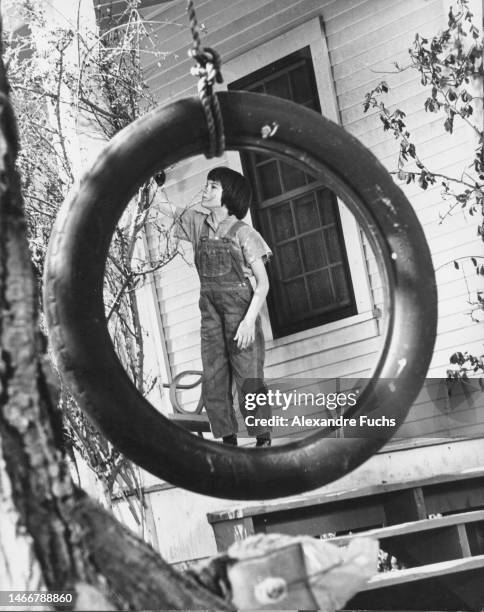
{"x": 189, "y": 223}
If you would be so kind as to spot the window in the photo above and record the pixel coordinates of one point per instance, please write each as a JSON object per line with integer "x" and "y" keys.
{"x": 298, "y": 216}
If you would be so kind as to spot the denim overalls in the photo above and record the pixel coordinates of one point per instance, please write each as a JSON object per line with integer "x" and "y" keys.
{"x": 225, "y": 295}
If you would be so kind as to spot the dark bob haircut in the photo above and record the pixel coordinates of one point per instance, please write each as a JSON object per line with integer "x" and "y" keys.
{"x": 236, "y": 191}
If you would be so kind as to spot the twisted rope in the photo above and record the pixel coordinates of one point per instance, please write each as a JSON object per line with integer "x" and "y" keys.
{"x": 207, "y": 69}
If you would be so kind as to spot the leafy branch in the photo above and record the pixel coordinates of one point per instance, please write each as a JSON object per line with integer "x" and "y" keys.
{"x": 450, "y": 66}
{"x": 451, "y": 69}
{"x": 65, "y": 81}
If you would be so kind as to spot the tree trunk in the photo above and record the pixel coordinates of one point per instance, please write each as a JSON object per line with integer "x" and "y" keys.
{"x": 76, "y": 544}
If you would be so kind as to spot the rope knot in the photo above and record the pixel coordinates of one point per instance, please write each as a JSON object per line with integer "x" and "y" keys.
{"x": 209, "y": 63}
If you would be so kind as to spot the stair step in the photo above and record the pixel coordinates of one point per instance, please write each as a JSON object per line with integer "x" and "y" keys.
{"x": 424, "y": 572}
{"x": 307, "y": 500}
{"x": 414, "y": 526}
{"x": 447, "y": 585}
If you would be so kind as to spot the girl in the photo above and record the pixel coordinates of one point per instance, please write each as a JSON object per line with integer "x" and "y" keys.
{"x": 229, "y": 257}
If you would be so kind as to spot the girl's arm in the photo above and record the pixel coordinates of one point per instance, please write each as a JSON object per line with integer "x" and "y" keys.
{"x": 246, "y": 330}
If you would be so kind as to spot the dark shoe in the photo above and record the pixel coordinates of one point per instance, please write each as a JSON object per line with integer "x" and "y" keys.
{"x": 263, "y": 440}
{"x": 231, "y": 440}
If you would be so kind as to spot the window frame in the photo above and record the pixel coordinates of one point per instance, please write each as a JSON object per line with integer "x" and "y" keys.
{"x": 309, "y": 34}
{"x": 278, "y": 303}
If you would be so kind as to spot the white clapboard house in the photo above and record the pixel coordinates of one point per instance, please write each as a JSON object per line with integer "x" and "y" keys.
{"x": 324, "y": 314}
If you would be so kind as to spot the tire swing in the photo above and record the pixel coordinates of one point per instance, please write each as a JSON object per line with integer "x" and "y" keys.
{"x": 73, "y": 295}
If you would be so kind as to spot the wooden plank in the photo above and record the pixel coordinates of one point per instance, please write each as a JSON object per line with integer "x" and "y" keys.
{"x": 372, "y": 44}
{"x": 233, "y": 38}
{"x": 424, "y": 572}
{"x": 458, "y": 408}
{"x": 416, "y": 526}
{"x": 302, "y": 501}
{"x": 351, "y": 94}
{"x": 190, "y": 340}
{"x": 466, "y": 417}
{"x": 450, "y": 585}
{"x": 188, "y": 323}
{"x": 357, "y": 514}
{"x": 463, "y": 540}
{"x": 179, "y": 283}
{"x": 192, "y": 364}
{"x": 322, "y": 329}
{"x": 438, "y": 428}
{"x": 367, "y": 127}
{"x": 315, "y": 345}
{"x": 214, "y": 15}
{"x": 386, "y": 151}
{"x": 336, "y": 363}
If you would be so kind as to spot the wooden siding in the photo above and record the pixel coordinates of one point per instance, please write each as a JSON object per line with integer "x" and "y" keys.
{"x": 363, "y": 37}
{"x": 369, "y": 38}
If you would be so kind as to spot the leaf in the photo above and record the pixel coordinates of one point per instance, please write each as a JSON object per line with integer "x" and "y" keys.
{"x": 456, "y": 265}
{"x": 422, "y": 181}
{"x": 457, "y": 358}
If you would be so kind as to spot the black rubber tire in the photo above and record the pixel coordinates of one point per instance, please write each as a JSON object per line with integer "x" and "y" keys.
{"x": 73, "y": 296}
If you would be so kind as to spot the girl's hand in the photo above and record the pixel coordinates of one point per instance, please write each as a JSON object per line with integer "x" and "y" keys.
{"x": 245, "y": 334}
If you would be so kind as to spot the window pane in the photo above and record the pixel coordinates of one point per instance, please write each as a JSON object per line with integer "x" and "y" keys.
{"x": 333, "y": 246}
{"x": 279, "y": 87}
{"x": 289, "y": 261}
{"x": 340, "y": 284}
{"x": 306, "y": 213}
{"x": 292, "y": 177}
{"x": 297, "y": 300}
{"x": 320, "y": 292}
{"x": 327, "y": 205}
{"x": 313, "y": 251}
{"x": 259, "y": 159}
{"x": 281, "y": 222}
{"x": 301, "y": 86}
{"x": 269, "y": 180}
